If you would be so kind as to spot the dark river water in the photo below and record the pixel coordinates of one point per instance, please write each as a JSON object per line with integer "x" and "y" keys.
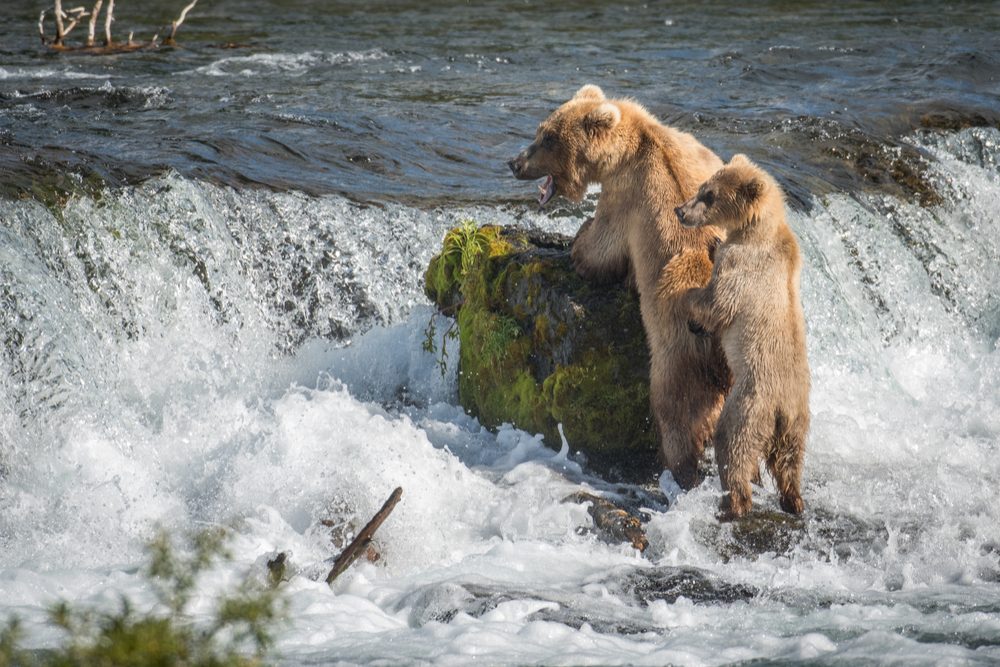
{"x": 426, "y": 100}
{"x": 212, "y": 314}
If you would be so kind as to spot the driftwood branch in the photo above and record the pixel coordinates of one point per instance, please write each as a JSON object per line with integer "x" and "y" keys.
{"x": 109, "y": 18}
{"x": 74, "y": 16}
{"x": 360, "y": 543}
{"x": 177, "y": 24}
{"x": 92, "y": 25}
{"x": 615, "y": 523}
{"x": 60, "y": 32}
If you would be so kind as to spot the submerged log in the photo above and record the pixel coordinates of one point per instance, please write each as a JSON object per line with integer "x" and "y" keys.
{"x": 540, "y": 346}
{"x": 614, "y": 523}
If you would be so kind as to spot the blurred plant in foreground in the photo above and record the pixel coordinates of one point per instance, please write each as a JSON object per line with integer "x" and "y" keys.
{"x": 240, "y": 635}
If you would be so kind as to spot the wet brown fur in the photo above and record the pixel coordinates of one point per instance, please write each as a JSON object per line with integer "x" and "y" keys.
{"x": 753, "y": 304}
{"x": 645, "y": 170}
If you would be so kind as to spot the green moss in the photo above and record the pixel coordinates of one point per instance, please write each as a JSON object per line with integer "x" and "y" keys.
{"x": 503, "y": 332}
{"x": 540, "y": 347}
{"x": 543, "y": 330}
{"x": 597, "y": 397}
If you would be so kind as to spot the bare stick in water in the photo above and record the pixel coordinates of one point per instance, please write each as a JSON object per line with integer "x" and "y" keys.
{"x": 60, "y": 32}
{"x": 92, "y": 26}
{"x": 66, "y": 20}
{"x": 177, "y": 24}
{"x": 78, "y": 13}
{"x": 62, "y": 29}
{"x": 360, "y": 543}
{"x": 41, "y": 24}
{"x": 108, "y": 20}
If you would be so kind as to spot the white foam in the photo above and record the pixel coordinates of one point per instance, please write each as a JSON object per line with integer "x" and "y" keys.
{"x": 288, "y": 63}
{"x": 47, "y": 73}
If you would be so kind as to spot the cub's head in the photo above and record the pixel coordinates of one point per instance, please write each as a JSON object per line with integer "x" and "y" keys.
{"x": 569, "y": 145}
{"x": 732, "y": 198}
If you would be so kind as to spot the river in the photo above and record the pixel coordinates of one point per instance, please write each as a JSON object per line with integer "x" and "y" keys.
{"x": 211, "y": 303}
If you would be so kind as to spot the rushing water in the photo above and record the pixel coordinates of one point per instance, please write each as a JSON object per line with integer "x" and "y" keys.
{"x": 212, "y": 313}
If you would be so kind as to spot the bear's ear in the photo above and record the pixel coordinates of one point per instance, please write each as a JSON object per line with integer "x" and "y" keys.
{"x": 740, "y": 159}
{"x": 602, "y": 117}
{"x": 750, "y": 191}
{"x": 590, "y": 92}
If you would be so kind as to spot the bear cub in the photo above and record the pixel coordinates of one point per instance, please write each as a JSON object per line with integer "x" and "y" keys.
{"x": 752, "y": 302}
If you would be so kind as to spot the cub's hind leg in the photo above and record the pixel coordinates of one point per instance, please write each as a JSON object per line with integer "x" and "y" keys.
{"x": 785, "y": 460}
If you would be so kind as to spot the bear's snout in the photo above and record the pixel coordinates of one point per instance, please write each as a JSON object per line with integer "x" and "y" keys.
{"x": 679, "y": 211}
{"x": 519, "y": 166}
{"x": 524, "y": 166}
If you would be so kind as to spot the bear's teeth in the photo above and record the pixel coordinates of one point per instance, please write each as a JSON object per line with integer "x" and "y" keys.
{"x": 546, "y": 190}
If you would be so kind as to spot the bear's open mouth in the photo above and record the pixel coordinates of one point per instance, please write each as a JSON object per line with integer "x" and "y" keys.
{"x": 546, "y": 190}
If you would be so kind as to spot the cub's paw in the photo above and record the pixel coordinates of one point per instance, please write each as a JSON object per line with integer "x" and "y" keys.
{"x": 713, "y": 245}
{"x": 698, "y": 330}
{"x": 792, "y": 503}
{"x": 734, "y": 505}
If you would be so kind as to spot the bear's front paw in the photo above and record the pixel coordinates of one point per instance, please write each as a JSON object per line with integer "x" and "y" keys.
{"x": 579, "y": 264}
{"x": 586, "y": 272}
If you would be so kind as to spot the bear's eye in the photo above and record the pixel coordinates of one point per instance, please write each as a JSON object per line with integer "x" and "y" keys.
{"x": 708, "y": 198}
{"x": 548, "y": 140}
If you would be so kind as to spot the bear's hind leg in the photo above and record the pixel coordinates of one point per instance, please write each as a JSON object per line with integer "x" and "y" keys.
{"x": 686, "y": 401}
{"x": 680, "y": 449}
{"x": 737, "y": 453}
{"x": 785, "y": 459}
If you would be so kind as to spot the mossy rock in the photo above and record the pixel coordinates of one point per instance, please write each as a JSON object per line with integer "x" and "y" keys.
{"x": 539, "y": 346}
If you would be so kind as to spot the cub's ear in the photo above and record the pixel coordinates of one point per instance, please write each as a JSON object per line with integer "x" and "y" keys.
{"x": 590, "y": 92}
{"x": 740, "y": 159}
{"x": 602, "y": 117}
{"x": 750, "y": 190}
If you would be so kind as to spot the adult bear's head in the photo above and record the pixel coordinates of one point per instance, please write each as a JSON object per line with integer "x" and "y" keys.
{"x": 570, "y": 146}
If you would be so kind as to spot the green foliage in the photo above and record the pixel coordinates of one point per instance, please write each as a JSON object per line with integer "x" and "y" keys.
{"x": 451, "y": 273}
{"x": 430, "y": 333}
{"x": 497, "y": 342}
{"x": 239, "y": 636}
{"x": 10, "y": 637}
{"x": 468, "y": 243}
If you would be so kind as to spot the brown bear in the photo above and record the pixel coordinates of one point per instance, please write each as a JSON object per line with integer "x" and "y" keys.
{"x": 645, "y": 170}
{"x": 752, "y": 303}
